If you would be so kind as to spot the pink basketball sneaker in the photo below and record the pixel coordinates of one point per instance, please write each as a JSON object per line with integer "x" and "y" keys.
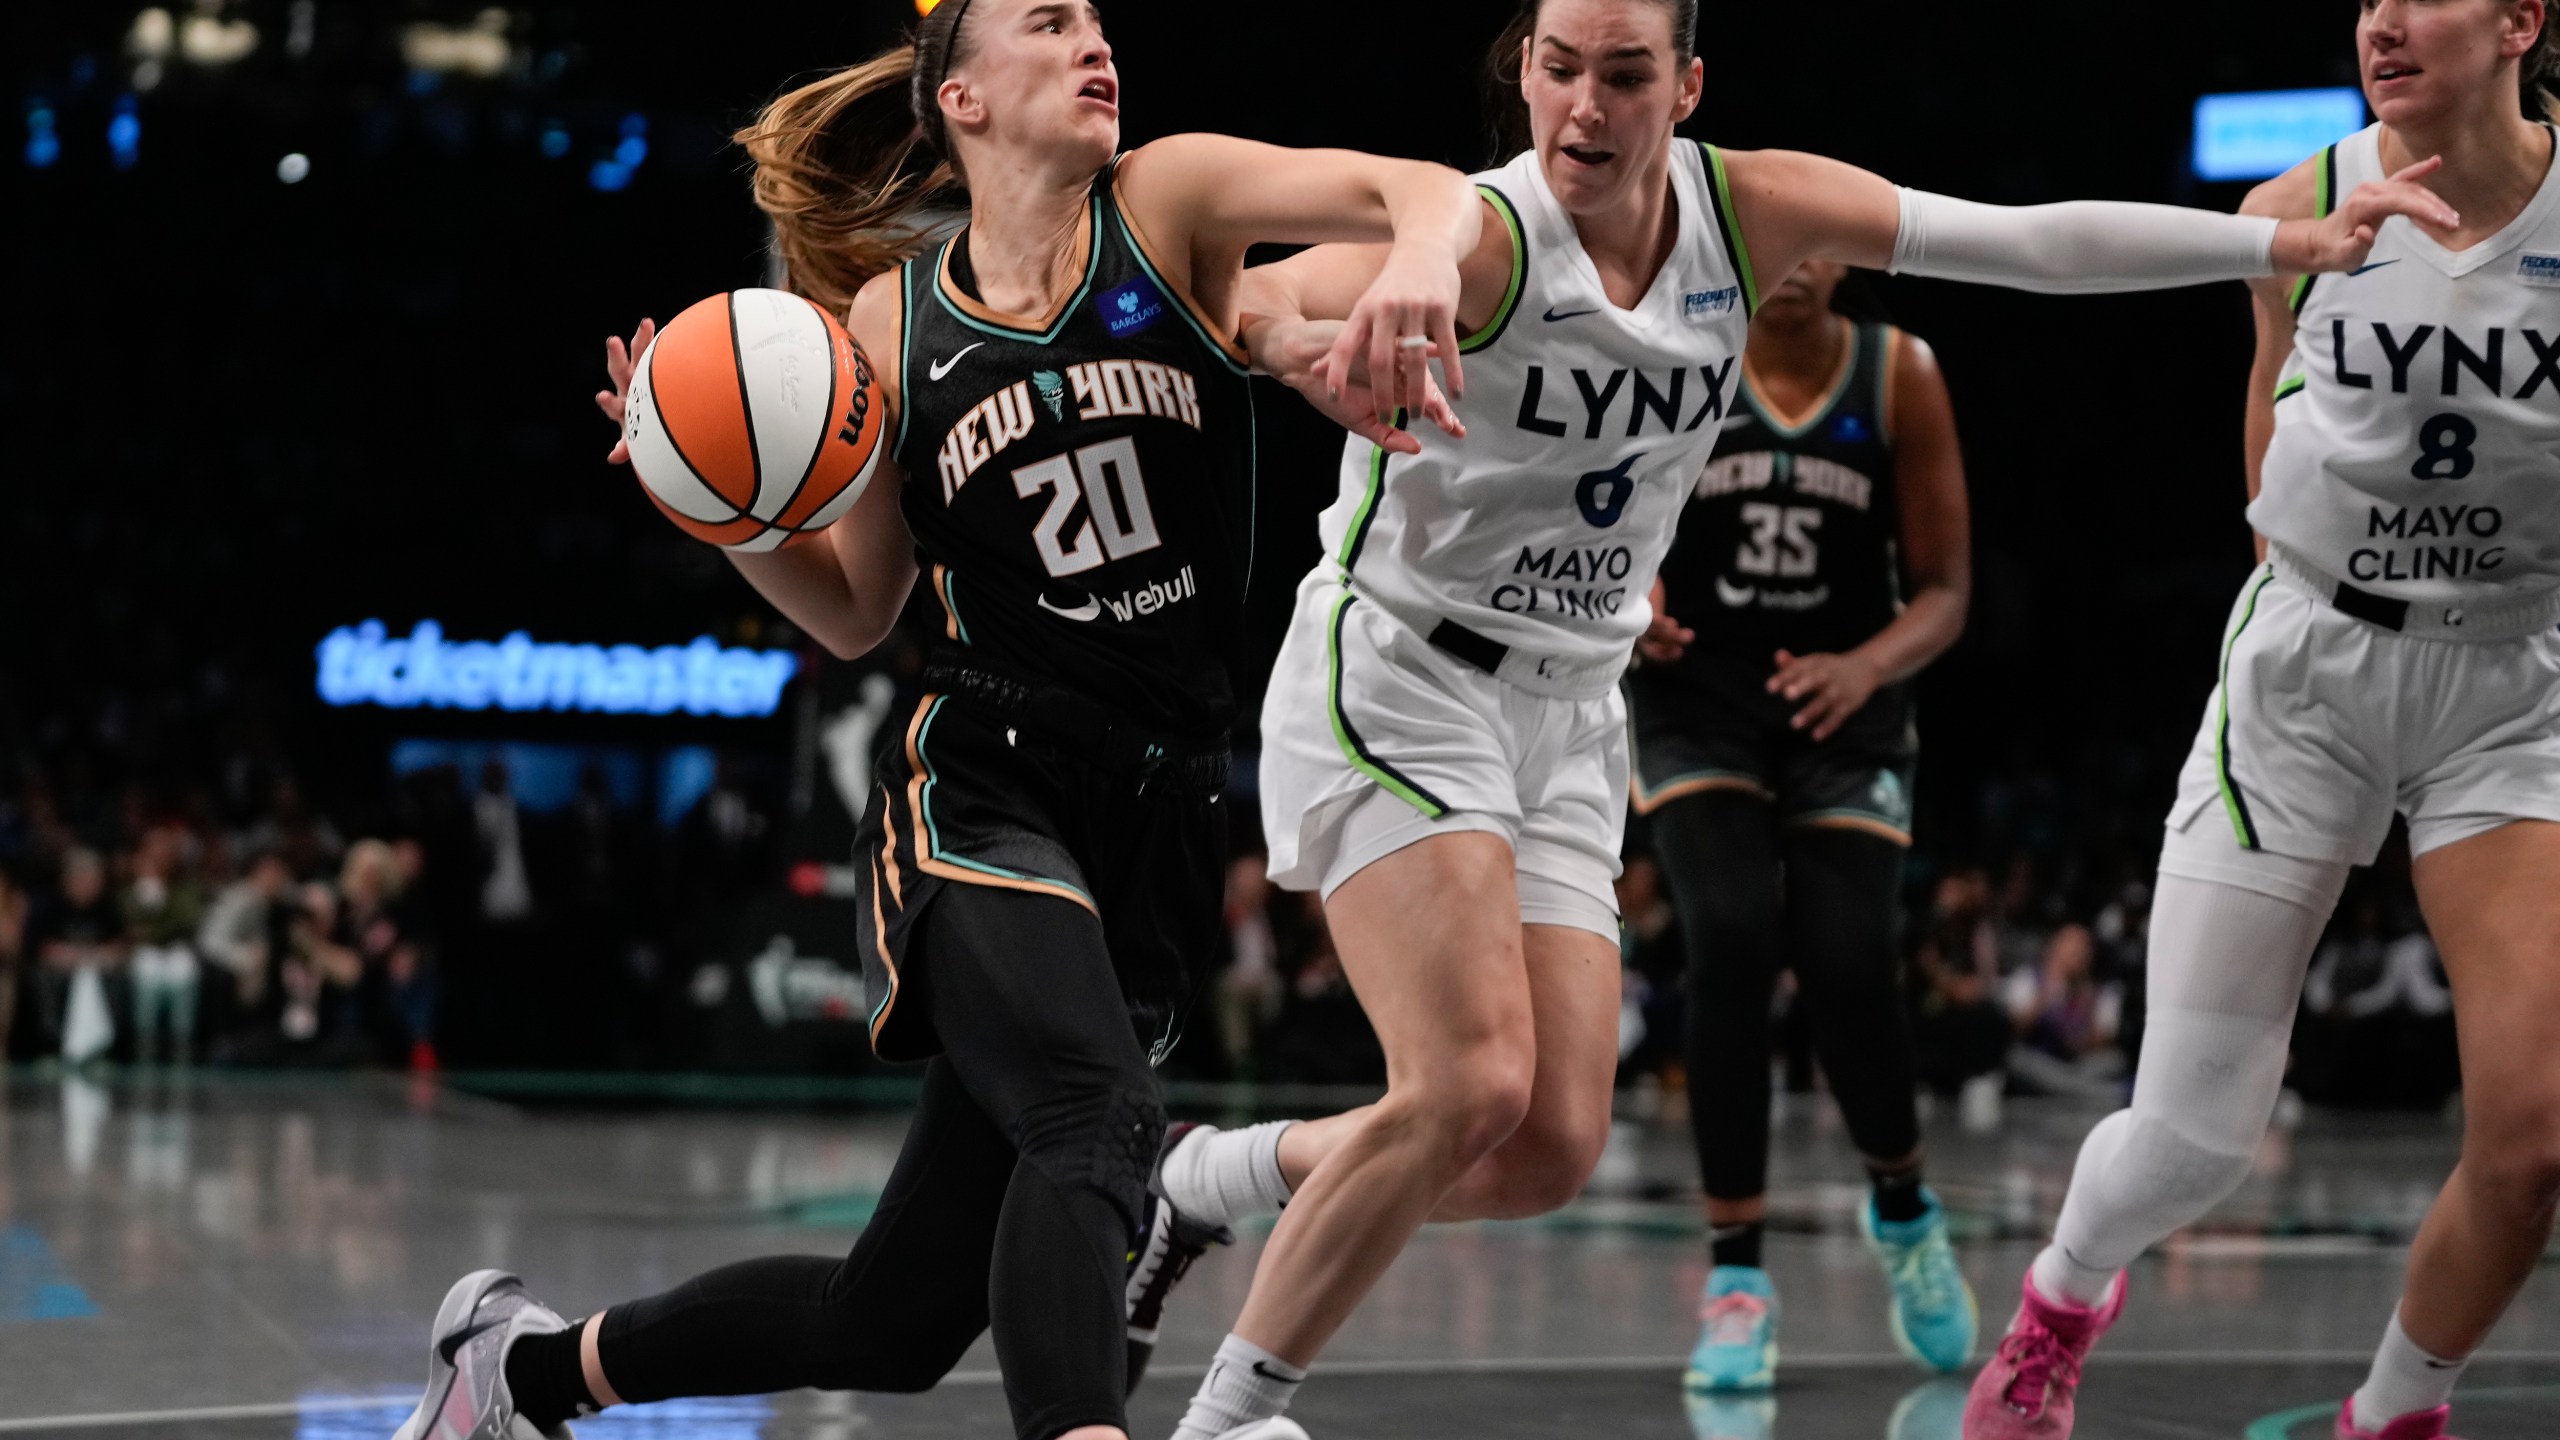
{"x": 2417, "y": 1425}
{"x": 2026, "y": 1392}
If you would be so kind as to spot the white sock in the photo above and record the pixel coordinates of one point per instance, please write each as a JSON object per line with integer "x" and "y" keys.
{"x": 1245, "y": 1384}
{"x": 1218, "y": 1177}
{"x": 2059, "y": 1277}
{"x": 2404, "y": 1380}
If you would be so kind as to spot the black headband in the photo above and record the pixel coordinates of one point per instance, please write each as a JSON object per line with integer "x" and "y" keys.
{"x": 951, "y": 47}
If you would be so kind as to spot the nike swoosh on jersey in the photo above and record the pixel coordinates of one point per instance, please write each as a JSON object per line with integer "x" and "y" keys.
{"x": 1736, "y": 596}
{"x": 1552, "y": 316}
{"x": 940, "y": 368}
{"x": 1091, "y": 609}
{"x": 2376, "y": 265}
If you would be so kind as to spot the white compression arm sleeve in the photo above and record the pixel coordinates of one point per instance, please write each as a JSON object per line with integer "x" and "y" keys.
{"x": 2082, "y": 247}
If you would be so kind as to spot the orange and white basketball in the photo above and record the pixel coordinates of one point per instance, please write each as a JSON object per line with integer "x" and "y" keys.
{"x": 754, "y": 417}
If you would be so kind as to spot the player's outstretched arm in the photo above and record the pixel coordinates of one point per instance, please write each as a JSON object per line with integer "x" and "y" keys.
{"x": 1796, "y": 207}
{"x": 1209, "y": 197}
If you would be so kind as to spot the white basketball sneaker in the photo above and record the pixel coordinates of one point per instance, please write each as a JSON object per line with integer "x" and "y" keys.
{"x": 1278, "y": 1427}
{"x": 467, "y": 1396}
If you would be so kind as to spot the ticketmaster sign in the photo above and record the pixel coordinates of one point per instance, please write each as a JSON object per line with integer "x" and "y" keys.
{"x": 365, "y": 665}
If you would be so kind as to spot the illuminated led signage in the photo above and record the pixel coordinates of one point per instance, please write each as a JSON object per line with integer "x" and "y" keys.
{"x": 366, "y": 665}
{"x": 2264, "y": 134}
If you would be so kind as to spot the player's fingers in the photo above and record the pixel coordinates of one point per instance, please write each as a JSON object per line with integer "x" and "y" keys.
{"x": 1445, "y": 336}
{"x": 1385, "y": 437}
{"x": 620, "y": 454}
{"x": 2418, "y": 170}
{"x": 1435, "y": 408}
{"x": 1336, "y": 366}
{"x": 1386, "y": 384}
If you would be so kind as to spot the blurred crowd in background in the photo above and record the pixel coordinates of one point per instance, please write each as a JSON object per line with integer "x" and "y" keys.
{"x": 159, "y": 915}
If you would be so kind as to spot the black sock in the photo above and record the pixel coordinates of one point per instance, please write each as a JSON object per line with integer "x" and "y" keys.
{"x": 548, "y": 1377}
{"x": 1736, "y": 1244}
{"x": 1898, "y": 1196}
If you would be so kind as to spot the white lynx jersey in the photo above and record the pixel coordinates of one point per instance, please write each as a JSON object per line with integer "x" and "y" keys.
{"x": 2417, "y": 441}
{"x": 1586, "y": 428}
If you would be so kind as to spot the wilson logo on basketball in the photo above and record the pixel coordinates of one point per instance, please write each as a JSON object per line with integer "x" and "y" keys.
{"x": 722, "y": 431}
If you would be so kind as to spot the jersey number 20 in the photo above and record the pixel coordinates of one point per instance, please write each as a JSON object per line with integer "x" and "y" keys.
{"x": 1117, "y": 522}
{"x": 1781, "y": 540}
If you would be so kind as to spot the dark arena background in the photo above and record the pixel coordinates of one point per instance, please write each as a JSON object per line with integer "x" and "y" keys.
{"x": 306, "y": 305}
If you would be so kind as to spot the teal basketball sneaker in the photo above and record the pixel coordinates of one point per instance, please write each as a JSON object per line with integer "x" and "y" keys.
{"x": 1933, "y": 1313}
{"x": 1738, "y": 1348}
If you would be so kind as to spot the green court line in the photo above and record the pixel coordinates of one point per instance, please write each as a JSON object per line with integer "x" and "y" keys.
{"x": 2279, "y": 1426}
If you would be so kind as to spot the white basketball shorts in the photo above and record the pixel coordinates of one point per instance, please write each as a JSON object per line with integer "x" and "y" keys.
{"x": 1374, "y": 739}
{"x": 2325, "y": 725}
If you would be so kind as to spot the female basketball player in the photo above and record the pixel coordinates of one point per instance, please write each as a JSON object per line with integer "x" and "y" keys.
{"x": 1774, "y": 761}
{"x": 1445, "y": 753}
{"x": 2395, "y": 653}
{"x": 1073, "y": 460}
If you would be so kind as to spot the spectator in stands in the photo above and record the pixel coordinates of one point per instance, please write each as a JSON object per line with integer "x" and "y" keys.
{"x": 79, "y": 929}
{"x": 2062, "y": 1010}
{"x": 13, "y": 938}
{"x": 398, "y": 993}
{"x": 1957, "y": 1023}
{"x": 306, "y": 839}
{"x": 244, "y": 933}
{"x": 1248, "y": 989}
{"x": 319, "y": 982}
{"x": 163, "y": 910}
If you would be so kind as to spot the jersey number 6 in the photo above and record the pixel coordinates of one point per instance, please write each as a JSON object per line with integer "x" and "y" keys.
{"x": 1117, "y": 523}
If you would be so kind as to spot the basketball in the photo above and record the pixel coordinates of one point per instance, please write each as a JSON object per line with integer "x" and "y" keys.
{"x": 753, "y": 417}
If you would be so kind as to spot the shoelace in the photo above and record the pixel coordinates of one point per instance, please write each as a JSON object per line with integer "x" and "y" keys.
{"x": 2040, "y": 1359}
{"x": 1926, "y": 1275}
{"x": 1734, "y": 1319}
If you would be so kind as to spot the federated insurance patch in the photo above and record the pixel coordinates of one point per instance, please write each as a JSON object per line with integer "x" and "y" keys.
{"x": 2541, "y": 271}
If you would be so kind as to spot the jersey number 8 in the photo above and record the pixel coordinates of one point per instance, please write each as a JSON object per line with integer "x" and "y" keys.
{"x": 1100, "y": 475}
{"x": 2444, "y": 448}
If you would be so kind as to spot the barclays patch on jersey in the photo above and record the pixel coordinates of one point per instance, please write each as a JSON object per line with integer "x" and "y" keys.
{"x": 1698, "y": 304}
{"x": 2541, "y": 271}
{"x": 1130, "y": 308}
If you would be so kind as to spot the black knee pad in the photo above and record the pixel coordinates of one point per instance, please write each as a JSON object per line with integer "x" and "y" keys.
{"x": 1100, "y": 1139}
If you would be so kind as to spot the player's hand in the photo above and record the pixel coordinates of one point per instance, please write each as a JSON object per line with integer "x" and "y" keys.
{"x": 1300, "y": 354}
{"x": 618, "y": 364}
{"x": 1832, "y": 687}
{"x": 1666, "y": 639}
{"x": 1414, "y": 298}
{"x": 2344, "y": 240}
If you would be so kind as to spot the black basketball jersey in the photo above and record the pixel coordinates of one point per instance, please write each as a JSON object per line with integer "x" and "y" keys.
{"x": 1081, "y": 495}
{"x": 1791, "y": 538}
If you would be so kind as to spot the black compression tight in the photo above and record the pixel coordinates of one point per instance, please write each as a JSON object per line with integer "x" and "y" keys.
{"x": 1015, "y": 1199}
{"x": 1755, "y": 898}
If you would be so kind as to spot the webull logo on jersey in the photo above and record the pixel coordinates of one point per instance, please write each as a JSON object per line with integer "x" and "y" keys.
{"x": 1647, "y": 401}
{"x": 1145, "y": 600}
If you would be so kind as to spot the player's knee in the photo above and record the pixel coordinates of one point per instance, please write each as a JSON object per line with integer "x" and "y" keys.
{"x": 1100, "y": 1138}
{"x": 907, "y": 1361}
{"x": 1473, "y": 1103}
{"x": 2183, "y": 1174}
{"x": 2517, "y": 1163}
{"x": 1545, "y": 1163}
